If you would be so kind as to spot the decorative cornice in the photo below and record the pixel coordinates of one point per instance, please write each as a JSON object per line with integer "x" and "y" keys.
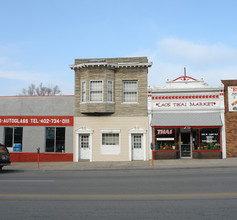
{"x": 109, "y": 65}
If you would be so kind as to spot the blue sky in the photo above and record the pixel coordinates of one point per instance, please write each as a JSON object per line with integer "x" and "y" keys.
{"x": 40, "y": 38}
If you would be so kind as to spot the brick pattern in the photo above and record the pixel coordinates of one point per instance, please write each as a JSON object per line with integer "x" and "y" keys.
{"x": 118, "y": 108}
{"x": 230, "y": 122}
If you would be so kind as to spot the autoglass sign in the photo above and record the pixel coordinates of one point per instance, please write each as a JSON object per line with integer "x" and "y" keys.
{"x": 232, "y": 98}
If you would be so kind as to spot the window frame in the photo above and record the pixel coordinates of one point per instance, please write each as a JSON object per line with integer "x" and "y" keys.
{"x": 13, "y": 137}
{"x": 102, "y": 91}
{"x": 110, "y": 149}
{"x": 125, "y": 93}
{"x": 83, "y": 91}
{"x": 55, "y": 140}
{"x": 112, "y": 86}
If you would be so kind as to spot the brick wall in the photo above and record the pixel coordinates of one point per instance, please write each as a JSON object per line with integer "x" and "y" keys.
{"x": 230, "y": 122}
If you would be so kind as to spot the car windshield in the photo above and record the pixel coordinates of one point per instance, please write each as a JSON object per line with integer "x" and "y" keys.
{"x": 3, "y": 149}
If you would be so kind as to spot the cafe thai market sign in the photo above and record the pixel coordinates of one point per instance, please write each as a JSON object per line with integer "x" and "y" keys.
{"x": 232, "y": 98}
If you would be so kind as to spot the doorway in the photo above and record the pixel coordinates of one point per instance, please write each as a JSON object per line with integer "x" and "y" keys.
{"x": 84, "y": 147}
{"x": 185, "y": 143}
{"x": 137, "y": 147}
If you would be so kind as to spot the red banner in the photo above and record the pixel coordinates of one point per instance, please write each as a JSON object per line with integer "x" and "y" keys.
{"x": 36, "y": 120}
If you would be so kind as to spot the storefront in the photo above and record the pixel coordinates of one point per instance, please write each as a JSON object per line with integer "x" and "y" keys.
{"x": 45, "y": 122}
{"x": 187, "y": 120}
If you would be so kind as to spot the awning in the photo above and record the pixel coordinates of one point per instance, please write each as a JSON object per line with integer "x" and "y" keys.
{"x": 186, "y": 119}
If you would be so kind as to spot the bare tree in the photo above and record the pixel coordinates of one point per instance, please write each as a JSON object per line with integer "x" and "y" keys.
{"x": 41, "y": 90}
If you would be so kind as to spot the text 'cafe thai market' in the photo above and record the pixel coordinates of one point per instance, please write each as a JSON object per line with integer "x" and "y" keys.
{"x": 187, "y": 120}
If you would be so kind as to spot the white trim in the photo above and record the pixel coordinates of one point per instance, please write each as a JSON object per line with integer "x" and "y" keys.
{"x": 143, "y": 132}
{"x": 79, "y": 131}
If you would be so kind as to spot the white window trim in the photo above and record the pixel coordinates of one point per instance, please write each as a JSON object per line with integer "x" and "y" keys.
{"x": 112, "y": 90}
{"x": 82, "y": 93}
{"x": 123, "y": 102}
{"x": 116, "y": 148}
{"x": 102, "y": 92}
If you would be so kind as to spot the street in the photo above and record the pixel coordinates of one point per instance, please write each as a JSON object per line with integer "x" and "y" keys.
{"x": 202, "y": 193}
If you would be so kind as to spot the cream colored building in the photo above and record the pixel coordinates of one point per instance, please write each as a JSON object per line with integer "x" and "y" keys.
{"x": 110, "y": 109}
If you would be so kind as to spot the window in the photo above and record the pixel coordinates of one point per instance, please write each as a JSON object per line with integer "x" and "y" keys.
{"x": 83, "y": 91}
{"x": 210, "y": 139}
{"x": 96, "y": 91}
{"x": 55, "y": 139}
{"x": 165, "y": 139}
{"x": 110, "y": 91}
{"x": 130, "y": 91}
{"x": 13, "y": 135}
{"x": 110, "y": 143}
{"x": 137, "y": 141}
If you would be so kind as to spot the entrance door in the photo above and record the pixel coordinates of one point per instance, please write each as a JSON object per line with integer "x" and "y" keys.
{"x": 84, "y": 147}
{"x": 137, "y": 147}
{"x": 185, "y": 145}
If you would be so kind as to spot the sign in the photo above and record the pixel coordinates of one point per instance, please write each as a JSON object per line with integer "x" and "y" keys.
{"x": 196, "y": 104}
{"x": 36, "y": 121}
{"x": 232, "y": 98}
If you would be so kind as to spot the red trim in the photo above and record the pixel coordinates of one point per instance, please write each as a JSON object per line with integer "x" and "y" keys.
{"x": 35, "y": 96}
{"x": 43, "y": 157}
{"x": 187, "y": 97}
{"x": 184, "y": 78}
{"x": 36, "y": 121}
{"x": 205, "y": 151}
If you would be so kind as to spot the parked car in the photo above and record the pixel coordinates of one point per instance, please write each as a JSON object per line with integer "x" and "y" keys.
{"x": 4, "y": 156}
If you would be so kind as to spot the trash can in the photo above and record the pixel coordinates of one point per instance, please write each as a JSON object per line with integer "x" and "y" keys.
{"x": 17, "y": 148}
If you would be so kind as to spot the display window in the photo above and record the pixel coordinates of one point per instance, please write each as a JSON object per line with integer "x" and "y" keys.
{"x": 55, "y": 139}
{"x": 165, "y": 139}
{"x": 13, "y": 137}
{"x": 187, "y": 139}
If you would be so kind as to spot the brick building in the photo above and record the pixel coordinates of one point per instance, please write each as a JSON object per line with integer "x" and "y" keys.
{"x": 110, "y": 109}
{"x": 230, "y": 92}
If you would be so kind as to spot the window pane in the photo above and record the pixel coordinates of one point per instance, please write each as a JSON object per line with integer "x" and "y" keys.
{"x": 137, "y": 141}
{"x": 195, "y": 133}
{"x": 165, "y": 139}
{"x": 210, "y": 139}
{"x": 50, "y": 136}
{"x": 60, "y": 139}
{"x": 83, "y": 91}
{"x": 130, "y": 91}
{"x": 110, "y": 139}
{"x": 96, "y": 91}
{"x": 110, "y": 91}
{"x": 18, "y": 135}
{"x": 8, "y": 137}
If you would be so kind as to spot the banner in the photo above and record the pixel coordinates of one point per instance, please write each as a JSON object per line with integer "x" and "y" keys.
{"x": 36, "y": 121}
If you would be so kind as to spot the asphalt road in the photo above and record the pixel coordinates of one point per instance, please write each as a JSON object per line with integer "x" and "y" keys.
{"x": 119, "y": 194}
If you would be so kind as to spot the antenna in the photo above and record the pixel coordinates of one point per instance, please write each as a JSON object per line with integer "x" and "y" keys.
{"x": 185, "y": 71}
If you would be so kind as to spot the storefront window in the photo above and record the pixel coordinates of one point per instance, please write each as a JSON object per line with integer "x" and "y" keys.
{"x": 210, "y": 139}
{"x": 165, "y": 139}
{"x": 13, "y": 135}
{"x": 55, "y": 139}
{"x": 195, "y": 136}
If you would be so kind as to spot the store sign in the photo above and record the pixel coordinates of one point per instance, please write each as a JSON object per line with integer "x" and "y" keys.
{"x": 36, "y": 120}
{"x": 232, "y": 98}
{"x": 202, "y": 104}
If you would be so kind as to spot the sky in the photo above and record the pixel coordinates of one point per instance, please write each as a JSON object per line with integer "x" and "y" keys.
{"x": 39, "y": 39}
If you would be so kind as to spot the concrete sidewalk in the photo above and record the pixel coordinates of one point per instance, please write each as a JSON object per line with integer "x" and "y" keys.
{"x": 158, "y": 164}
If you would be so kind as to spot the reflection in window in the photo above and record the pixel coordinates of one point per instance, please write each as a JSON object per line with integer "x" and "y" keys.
{"x": 13, "y": 135}
{"x": 210, "y": 139}
{"x": 55, "y": 139}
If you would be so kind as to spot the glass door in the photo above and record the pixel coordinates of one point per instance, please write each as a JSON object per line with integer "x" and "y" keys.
{"x": 185, "y": 144}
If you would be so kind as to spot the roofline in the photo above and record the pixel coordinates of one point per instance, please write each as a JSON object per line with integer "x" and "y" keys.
{"x": 35, "y": 96}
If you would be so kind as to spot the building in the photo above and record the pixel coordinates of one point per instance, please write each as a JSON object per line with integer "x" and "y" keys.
{"x": 110, "y": 109}
{"x": 230, "y": 91}
{"x": 31, "y": 122}
{"x": 186, "y": 119}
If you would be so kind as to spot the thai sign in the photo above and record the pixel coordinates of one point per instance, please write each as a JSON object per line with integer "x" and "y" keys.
{"x": 194, "y": 104}
{"x": 232, "y": 98}
{"x": 36, "y": 120}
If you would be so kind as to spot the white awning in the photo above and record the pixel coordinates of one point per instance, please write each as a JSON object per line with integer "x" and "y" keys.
{"x": 186, "y": 119}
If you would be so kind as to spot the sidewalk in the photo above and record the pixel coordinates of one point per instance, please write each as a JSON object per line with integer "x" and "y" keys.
{"x": 158, "y": 164}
